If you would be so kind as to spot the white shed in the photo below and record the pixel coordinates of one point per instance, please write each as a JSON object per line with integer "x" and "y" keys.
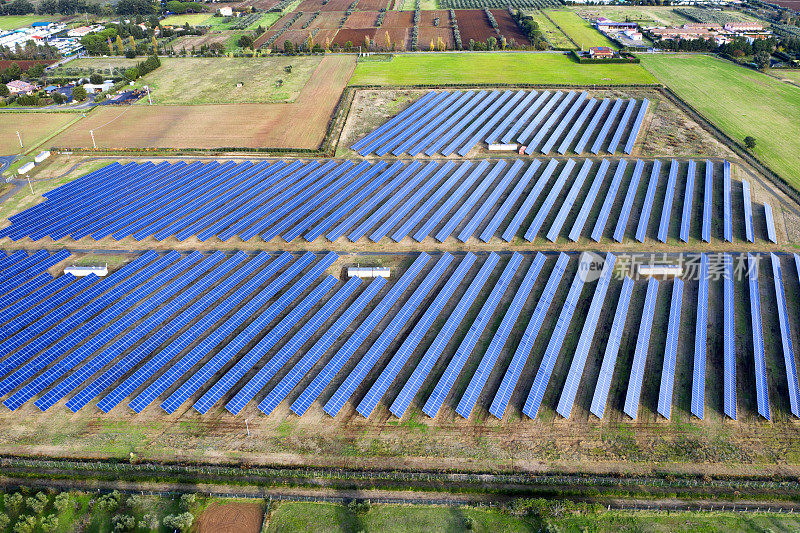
{"x": 80, "y": 271}
{"x": 368, "y": 272}
{"x": 27, "y": 167}
{"x": 42, "y": 156}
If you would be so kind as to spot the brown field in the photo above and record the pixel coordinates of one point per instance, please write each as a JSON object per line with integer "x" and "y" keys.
{"x": 791, "y": 4}
{"x": 231, "y": 518}
{"x": 428, "y": 32}
{"x": 327, "y": 20}
{"x": 472, "y": 24}
{"x": 355, "y": 37}
{"x": 398, "y": 19}
{"x": 372, "y": 5}
{"x": 316, "y": 5}
{"x": 33, "y": 127}
{"x": 298, "y": 25}
{"x": 361, "y": 19}
{"x": 400, "y": 37}
{"x": 301, "y": 124}
{"x": 281, "y": 22}
{"x": 509, "y": 28}
{"x": 323, "y": 35}
{"x": 24, "y": 64}
{"x": 295, "y": 36}
{"x": 199, "y": 40}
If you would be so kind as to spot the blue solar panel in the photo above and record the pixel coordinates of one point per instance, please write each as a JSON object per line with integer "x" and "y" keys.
{"x": 562, "y": 125}
{"x": 389, "y": 334}
{"x": 471, "y": 134}
{"x": 707, "y": 201}
{"x": 567, "y": 399}
{"x": 461, "y": 125}
{"x": 262, "y": 320}
{"x": 421, "y": 328}
{"x": 451, "y": 201}
{"x": 424, "y": 126}
{"x": 748, "y": 211}
{"x": 644, "y": 217}
{"x": 640, "y": 354}
{"x": 700, "y": 340}
{"x": 588, "y": 202}
{"x": 26, "y": 295}
{"x": 476, "y": 100}
{"x": 606, "y": 127}
{"x": 490, "y": 229}
{"x": 522, "y": 119}
{"x": 467, "y": 345}
{"x": 489, "y": 359}
{"x": 467, "y": 205}
{"x": 491, "y": 200}
{"x": 536, "y": 394}
{"x": 729, "y": 337}
{"x": 549, "y": 201}
{"x": 686, "y": 218}
{"x": 621, "y": 127}
{"x": 525, "y": 345}
{"x": 630, "y": 196}
{"x": 726, "y": 202}
{"x": 39, "y": 264}
{"x": 527, "y": 204}
{"x": 600, "y": 397}
{"x": 576, "y": 126}
{"x": 670, "y": 351}
{"x": 762, "y": 392}
{"x": 546, "y": 111}
{"x": 394, "y": 121}
{"x": 770, "y": 224}
{"x": 403, "y": 129}
{"x": 608, "y": 203}
{"x": 666, "y": 210}
{"x": 522, "y": 107}
{"x": 293, "y": 377}
{"x": 434, "y": 352}
{"x": 637, "y": 125}
{"x": 545, "y": 127}
{"x": 335, "y": 364}
{"x": 786, "y": 337}
{"x": 569, "y": 201}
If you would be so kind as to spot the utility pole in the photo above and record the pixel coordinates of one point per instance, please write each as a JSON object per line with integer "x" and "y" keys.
{"x": 20, "y": 140}
{"x": 148, "y": 94}
{"x": 247, "y": 426}
{"x": 91, "y": 132}
{"x": 29, "y": 184}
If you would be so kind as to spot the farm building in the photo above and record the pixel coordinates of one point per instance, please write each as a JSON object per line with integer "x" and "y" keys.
{"x": 601, "y": 52}
{"x": 20, "y": 87}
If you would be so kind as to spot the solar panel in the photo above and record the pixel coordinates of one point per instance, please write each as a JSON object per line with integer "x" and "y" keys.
{"x": 588, "y": 202}
{"x": 600, "y": 397}
{"x": 630, "y": 196}
{"x": 606, "y": 128}
{"x": 394, "y": 121}
{"x": 473, "y": 105}
{"x": 545, "y": 127}
{"x": 498, "y": 342}
{"x": 707, "y": 201}
{"x": 463, "y": 124}
{"x": 389, "y": 334}
{"x": 729, "y": 337}
{"x": 608, "y": 203}
{"x": 490, "y": 229}
{"x": 335, "y": 364}
{"x": 467, "y": 345}
{"x": 670, "y": 351}
{"x": 399, "y": 122}
{"x": 546, "y": 110}
{"x": 576, "y": 126}
{"x": 525, "y": 345}
{"x": 700, "y": 341}
{"x": 748, "y": 211}
{"x": 523, "y": 119}
{"x": 770, "y": 224}
{"x": 686, "y": 218}
{"x": 569, "y": 201}
{"x": 762, "y": 393}
{"x": 527, "y": 204}
{"x": 637, "y": 125}
{"x": 489, "y": 203}
{"x": 567, "y": 399}
{"x": 640, "y": 353}
{"x": 411, "y": 125}
{"x": 623, "y": 124}
{"x": 411, "y": 342}
{"x": 644, "y": 217}
{"x": 313, "y": 355}
{"x": 536, "y": 394}
{"x": 423, "y": 127}
{"x": 666, "y": 210}
{"x": 434, "y": 352}
{"x": 562, "y": 125}
{"x": 467, "y": 205}
{"x": 549, "y": 201}
{"x": 26, "y": 295}
{"x": 726, "y": 202}
{"x": 786, "y": 337}
{"x": 522, "y": 107}
{"x": 488, "y": 119}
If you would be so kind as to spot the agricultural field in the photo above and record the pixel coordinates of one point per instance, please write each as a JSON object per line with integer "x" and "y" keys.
{"x": 552, "y": 33}
{"x": 488, "y": 68}
{"x": 299, "y": 124}
{"x": 192, "y": 19}
{"x": 12, "y": 22}
{"x": 580, "y": 30}
{"x": 643, "y": 15}
{"x": 34, "y": 128}
{"x": 792, "y": 76}
{"x": 190, "y": 42}
{"x": 772, "y": 114}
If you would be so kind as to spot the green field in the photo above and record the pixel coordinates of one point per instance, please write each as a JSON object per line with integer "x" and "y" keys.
{"x": 12, "y": 22}
{"x": 786, "y": 74}
{"x": 213, "y": 80}
{"x": 551, "y": 32}
{"x": 740, "y": 102}
{"x": 194, "y": 19}
{"x": 325, "y": 518}
{"x": 645, "y": 15}
{"x": 493, "y": 67}
{"x": 580, "y": 30}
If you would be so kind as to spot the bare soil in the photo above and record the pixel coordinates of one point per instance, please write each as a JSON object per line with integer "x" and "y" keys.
{"x": 231, "y": 518}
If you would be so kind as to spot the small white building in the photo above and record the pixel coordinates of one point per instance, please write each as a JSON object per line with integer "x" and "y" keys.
{"x": 226, "y": 11}
{"x": 42, "y": 156}
{"x": 660, "y": 270}
{"x": 27, "y": 167}
{"x": 80, "y": 271}
{"x": 368, "y": 272}
{"x": 99, "y": 88}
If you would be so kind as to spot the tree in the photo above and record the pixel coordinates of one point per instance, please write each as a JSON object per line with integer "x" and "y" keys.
{"x": 123, "y": 522}
{"x": 95, "y": 79}
{"x": 188, "y": 501}
{"x": 120, "y": 45}
{"x": 13, "y": 502}
{"x": 36, "y": 71}
{"x": 48, "y": 7}
{"x": 79, "y": 94}
{"x": 750, "y": 142}
{"x": 135, "y": 7}
{"x": 388, "y": 41}
{"x": 4, "y": 92}
{"x": 181, "y": 522}
{"x": 58, "y": 98}
{"x": 5, "y": 521}
{"x": 245, "y": 41}
{"x": 761, "y": 59}
{"x": 132, "y": 73}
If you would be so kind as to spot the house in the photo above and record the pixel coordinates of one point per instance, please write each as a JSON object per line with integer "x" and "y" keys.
{"x": 601, "y": 52}
{"x": 611, "y": 26}
{"x": 226, "y": 11}
{"x": 98, "y": 88}
{"x": 20, "y": 87}
{"x": 82, "y": 31}
{"x": 743, "y": 26}
{"x": 42, "y": 24}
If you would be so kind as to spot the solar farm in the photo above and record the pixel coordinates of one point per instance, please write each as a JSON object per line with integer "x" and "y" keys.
{"x": 550, "y": 281}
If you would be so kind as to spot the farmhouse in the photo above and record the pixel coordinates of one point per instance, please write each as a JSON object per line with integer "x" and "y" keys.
{"x": 20, "y": 87}
{"x": 601, "y": 52}
{"x": 226, "y": 11}
{"x": 606, "y": 25}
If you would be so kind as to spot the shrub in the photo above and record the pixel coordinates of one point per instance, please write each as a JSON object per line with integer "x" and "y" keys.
{"x": 96, "y": 79}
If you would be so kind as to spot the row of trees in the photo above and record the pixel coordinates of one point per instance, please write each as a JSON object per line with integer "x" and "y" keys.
{"x": 760, "y": 49}
{"x": 70, "y": 7}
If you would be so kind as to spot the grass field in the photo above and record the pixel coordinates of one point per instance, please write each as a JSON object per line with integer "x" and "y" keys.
{"x": 645, "y": 15}
{"x": 579, "y": 29}
{"x": 418, "y": 69}
{"x": 12, "y": 22}
{"x": 33, "y": 127}
{"x": 741, "y": 102}
{"x": 786, "y": 74}
{"x": 552, "y": 33}
{"x": 193, "y": 19}
{"x": 192, "y": 81}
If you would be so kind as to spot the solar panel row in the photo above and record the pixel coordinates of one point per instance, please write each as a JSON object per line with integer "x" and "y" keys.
{"x": 700, "y": 341}
{"x": 762, "y": 392}
{"x": 688, "y": 196}
{"x": 729, "y": 339}
{"x": 640, "y": 353}
{"x": 786, "y": 337}
{"x": 671, "y": 351}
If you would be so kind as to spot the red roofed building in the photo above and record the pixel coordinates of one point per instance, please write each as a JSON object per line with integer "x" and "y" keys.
{"x": 601, "y": 52}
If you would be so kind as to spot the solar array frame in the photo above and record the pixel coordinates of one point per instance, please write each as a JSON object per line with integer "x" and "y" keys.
{"x": 630, "y": 196}
{"x": 700, "y": 342}
{"x": 647, "y": 208}
{"x": 686, "y": 218}
{"x": 762, "y": 391}
{"x": 786, "y": 337}
{"x": 669, "y": 195}
{"x": 670, "y": 351}
{"x": 640, "y": 354}
{"x": 729, "y": 338}
{"x": 588, "y": 202}
{"x": 748, "y": 212}
{"x": 608, "y": 203}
